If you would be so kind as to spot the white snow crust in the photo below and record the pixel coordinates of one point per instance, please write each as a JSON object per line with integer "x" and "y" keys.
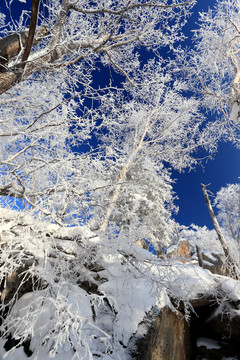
{"x": 232, "y": 288}
{"x": 64, "y": 316}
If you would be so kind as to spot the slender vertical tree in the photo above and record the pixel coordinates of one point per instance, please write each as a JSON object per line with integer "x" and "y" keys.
{"x": 231, "y": 263}
{"x": 227, "y": 202}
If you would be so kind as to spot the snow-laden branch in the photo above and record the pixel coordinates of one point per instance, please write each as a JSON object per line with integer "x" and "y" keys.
{"x": 119, "y": 30}
{"x": 231, "y": 262}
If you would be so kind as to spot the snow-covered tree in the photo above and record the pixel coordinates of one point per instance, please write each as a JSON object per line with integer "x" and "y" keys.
{"x": 215, "y": 77}
{"x": 200, "y": 236}
{"x": 71, "y": 145}
{"x": 145, "y": 203}
{"x": 216, "y": 64}
{"x": 227, "y": 203}
{"x": 58, "y": 105}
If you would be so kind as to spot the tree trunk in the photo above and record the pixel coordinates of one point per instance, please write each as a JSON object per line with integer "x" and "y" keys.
{"x": 114, "y": 197}
{"x": 231, "y": 263}
{"x": 199, "y": 255}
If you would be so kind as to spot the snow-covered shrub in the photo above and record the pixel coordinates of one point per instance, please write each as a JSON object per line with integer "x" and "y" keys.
{"x": 89, "y": 299}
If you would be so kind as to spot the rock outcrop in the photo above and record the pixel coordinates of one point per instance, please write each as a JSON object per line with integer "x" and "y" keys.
{"x": 225, "y": 322}
{"x": 167, "y": 339}
{"x": 212, "y": 333}
{"x": 180, "y": 252}
{"x": 212, "y": 261}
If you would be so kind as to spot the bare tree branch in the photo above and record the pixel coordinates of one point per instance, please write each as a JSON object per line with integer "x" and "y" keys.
{"x": 230, "y": 260}
{"x": 31, "y": 33}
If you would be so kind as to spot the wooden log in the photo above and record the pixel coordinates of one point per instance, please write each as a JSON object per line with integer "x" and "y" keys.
{"x": 11, "y": 46}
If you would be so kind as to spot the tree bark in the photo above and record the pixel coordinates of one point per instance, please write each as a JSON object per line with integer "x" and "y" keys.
{"x": 31, "y": 33}
{"x": 10, "y": 78}
{"x": 199, "y": 255}
{"x": 114, "y": 197}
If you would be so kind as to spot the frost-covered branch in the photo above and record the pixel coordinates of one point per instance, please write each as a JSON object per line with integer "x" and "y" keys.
{"x": 216, "y": 62}
{"x": 117, "y": 30}
{"x": 231, "y": 262}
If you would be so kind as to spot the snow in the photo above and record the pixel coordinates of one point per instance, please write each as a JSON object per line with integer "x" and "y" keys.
{"x": 232, "y": 288}
{"x": 135, "y": 284}
{"x": 172, "y": 249}
{"x": 207, "y": 263}
{"x": 92, "y": 292}
{"x": 69, "y": 310}
{"x": 132, "y": 297}
{"x": 19, "y": 354}
{"x": 208, "y": 343}
{"x": 132, "y": 282}
{"x": 129, "y": 294}
{"x": 210, "y": 255}
{"x": 187, "y": 281}
{"x": 234, "y": 115}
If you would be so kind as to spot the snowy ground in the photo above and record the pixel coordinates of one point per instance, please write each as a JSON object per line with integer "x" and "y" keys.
{"x": 65, "y": 320}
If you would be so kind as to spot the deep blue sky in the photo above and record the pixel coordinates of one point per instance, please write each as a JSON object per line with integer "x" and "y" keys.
{"x": 222, "y": 170}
